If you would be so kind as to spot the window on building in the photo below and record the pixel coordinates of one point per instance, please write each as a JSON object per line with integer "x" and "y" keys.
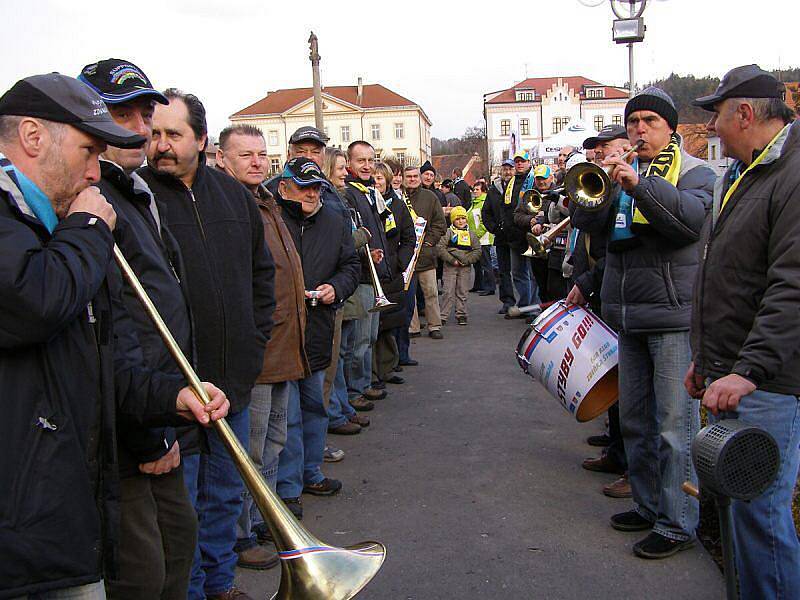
{"x": 616, "y": 120}
{"x": 401, "y": 157}
{"x": 376, "y": 131}
{"x": 596, "y": 93}
{"x": 505, "y": 127}
{"x": 272, "y": 138}
{"x": 378, "y": 153}
{"x": 399, "y": 131}
{"x": 524, "y": 127}
{"x": 713, "y": 155}
{"x": 505, "y": 154}
{"x": 274, "y": 164}
{"x": 345, "y": 133}
{"x": 559, "y": 123}
{"x": 525, "y": 96}
{"x": 598, "y": 122}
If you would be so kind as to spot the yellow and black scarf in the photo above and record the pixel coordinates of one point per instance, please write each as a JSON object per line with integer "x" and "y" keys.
{"x": 666, "y": 165}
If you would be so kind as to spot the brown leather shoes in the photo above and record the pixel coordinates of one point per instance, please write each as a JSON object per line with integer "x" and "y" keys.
{"x": 361, "y": 420}
{"x": 258, "y": 558}
{"x": 232, "y": 594}
{"x": 602, "y": 464}
{"x": 621, "y": 488}
{"x": 362, "y": 404}
{"x": 346, "y": 428}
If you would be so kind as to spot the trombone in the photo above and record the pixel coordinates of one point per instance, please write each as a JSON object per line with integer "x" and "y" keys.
{"x": 381, "y": 301}
{"x": 310, "y": 569}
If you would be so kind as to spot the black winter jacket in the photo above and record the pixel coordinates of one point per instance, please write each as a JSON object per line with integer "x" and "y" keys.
{"x": 374, "y": 223}
{"x": 493, "y": 215}
{"x": 400, "y": 242}
{"x": 229, "y": 273}
{"x": 647, "y": 288}
{"x": 462, "y": 189}
{"x": 514, "y": 234}
{"x": 153, "y": 254}
{"x": 324, "y": 242}
{"x": 64, "y": 378}
{"x": 747, "y": 296}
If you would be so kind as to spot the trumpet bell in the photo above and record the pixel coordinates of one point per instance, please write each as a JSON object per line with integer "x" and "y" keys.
{"x": 382, "y": 303}
{"x": 532, "y": 199}
{"x": 588, "y": 185}
{"x": 327, "y": 572}
{"x": 536, "y": 247}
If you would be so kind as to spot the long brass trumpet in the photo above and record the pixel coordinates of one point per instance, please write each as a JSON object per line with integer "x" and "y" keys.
{"x": 310, "y": 569}
{"x": 537, "y": 245}
{"x": 589, "y": 185}
{"x": 381, "y": 301}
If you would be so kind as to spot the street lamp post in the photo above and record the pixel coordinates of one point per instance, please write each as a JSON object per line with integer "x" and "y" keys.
{"x": 628, "y": 29}
{"x": 314, "y": 57}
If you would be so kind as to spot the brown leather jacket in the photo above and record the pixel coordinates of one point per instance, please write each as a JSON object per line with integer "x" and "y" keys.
{"x": 284, "y": 356}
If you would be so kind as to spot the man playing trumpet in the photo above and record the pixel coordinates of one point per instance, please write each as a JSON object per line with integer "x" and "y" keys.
{"x": 655, "y": 214}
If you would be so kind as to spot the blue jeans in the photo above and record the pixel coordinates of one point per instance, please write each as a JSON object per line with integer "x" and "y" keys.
{"x": 401, "y": 333}
{"x": 307, "y": 425}
{"x": 215, "y": 489}
{"x": 90, "y": 591}
{"x": 765, "y": 540}
{"x": 267, "y": 438}
{"x": 526, "y": 287}
{"x": 339, "y": 409}
{"x": 487, "y": 270}
{"x": 358, "y": 372}
{"x": 658, "y": 422}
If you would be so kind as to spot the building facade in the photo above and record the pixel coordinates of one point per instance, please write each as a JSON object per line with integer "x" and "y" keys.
{"x": 394, "y": 125}
{"x": 538, "y": 108}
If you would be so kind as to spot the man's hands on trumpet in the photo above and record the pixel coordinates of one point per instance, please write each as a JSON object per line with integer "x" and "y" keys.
{"x": 190, "y": 407}
{"x": 621, "y": 170}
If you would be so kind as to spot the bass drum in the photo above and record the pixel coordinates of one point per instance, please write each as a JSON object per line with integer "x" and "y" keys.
{"x": 573, "y": 354}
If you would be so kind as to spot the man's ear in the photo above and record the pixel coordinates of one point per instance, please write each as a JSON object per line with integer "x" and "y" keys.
{"x": 33, "y": 136}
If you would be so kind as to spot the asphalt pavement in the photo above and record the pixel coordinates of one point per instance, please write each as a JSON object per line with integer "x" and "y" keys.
{"x": 470, "y": 475}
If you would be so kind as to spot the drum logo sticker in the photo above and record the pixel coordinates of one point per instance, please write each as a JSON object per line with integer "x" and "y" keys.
{"x": 563, "y": 375}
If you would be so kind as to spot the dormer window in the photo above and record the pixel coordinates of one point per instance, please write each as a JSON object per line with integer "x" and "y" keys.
{"x": 596, "y": 92}
{"x": 526, "y": 96}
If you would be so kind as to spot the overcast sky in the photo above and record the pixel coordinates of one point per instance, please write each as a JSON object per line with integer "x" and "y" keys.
{"x": 442, "y": 55}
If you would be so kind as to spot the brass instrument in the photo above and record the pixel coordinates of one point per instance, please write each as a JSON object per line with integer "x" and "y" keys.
{"x": 534, "y": 201}
{"x": 310, "y": 569}
{"x": 537, "y": 245}
{"x": 589, "y": 185}
{"x": 417, "y": 250}
{"x": 381, "y": 301}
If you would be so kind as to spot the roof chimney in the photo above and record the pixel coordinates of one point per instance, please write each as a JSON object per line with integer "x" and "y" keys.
{"x": 360, "y": 95}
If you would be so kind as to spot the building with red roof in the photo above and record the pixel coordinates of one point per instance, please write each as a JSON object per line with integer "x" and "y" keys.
{"x": 393, "y": 124}
{"x": 537, "y": 108}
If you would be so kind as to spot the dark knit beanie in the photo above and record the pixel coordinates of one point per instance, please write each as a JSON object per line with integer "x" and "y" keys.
{"x": 657, "y": 100}
{"x": 427, "y": 166}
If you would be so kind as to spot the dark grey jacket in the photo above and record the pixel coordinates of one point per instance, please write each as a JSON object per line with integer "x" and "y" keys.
{"x": 647, "y": 288}
{"x": 747, "y": 297}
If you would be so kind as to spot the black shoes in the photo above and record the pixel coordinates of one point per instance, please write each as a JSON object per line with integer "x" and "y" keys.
{"x": 656, "y": 546}
{"x": 630, "y": 521}
{"x": 601, "y": 441}
{"x": 295, "y": 505}
{"x": 436, "y": 335}
{"x": 486, "y": 293}
{"x": 395, "y": 380}
{"x": 461, "y": 320}
{"x": 409, "y": 363}
{"x": 326, "y": 487}
{"x": 603, "y": 464}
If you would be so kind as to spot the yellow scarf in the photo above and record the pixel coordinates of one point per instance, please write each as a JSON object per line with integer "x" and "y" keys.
{"x": 666, "y": 165}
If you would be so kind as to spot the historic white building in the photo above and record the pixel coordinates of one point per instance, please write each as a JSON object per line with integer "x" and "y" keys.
{"x": 394, "y": 125}
{"x": 538, "y": 108}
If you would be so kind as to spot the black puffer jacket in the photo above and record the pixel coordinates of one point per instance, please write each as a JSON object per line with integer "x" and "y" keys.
{"x": 154, "y": 256}
{"x": 400, "y": 242}
{"x": 747, "y": 297}
{"x": 324, "y": 242}
{"x": 514, "y": 234}
{"x": 493, "y": 214}
{"x": 65, "y": 378}
{"x": 365, "y": 205}
{"x": 229, "y": 272}
{"x": 464, "y": 192}
{"x": 647, "y": 288}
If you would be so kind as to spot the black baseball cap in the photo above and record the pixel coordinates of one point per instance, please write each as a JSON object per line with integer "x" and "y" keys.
{"x": 118, "y": 81}
{"x": 303, "y": 171}
{"x": 308, "y": 134}
{"x": 607, "y": 133}
{"x": 63, "y": 99}
{"x": 747, "y": 81}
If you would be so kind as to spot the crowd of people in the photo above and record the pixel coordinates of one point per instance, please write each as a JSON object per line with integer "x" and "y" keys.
{"x": 295, "y": 297}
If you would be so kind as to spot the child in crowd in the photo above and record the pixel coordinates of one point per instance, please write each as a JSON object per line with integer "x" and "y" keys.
{"x": 458, "y": 248}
